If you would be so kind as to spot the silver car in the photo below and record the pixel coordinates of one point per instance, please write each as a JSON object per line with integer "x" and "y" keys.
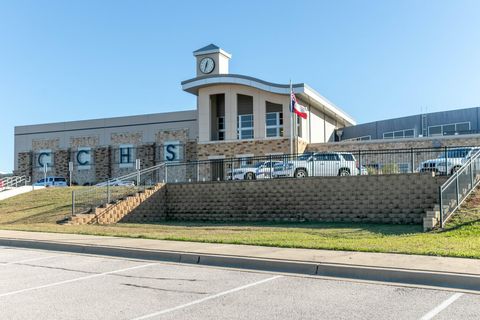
{"x": 261, "y": 170}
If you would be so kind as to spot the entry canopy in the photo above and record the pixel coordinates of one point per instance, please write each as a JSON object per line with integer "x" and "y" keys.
{"x": 301, "y": 90}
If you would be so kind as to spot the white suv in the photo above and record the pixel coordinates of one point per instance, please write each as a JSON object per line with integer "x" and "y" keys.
{"x": 456, "y": 157}
{"x": 319, "y": 164}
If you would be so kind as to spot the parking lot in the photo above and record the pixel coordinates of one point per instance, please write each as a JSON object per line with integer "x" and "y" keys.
{"x": 37, "y": 284}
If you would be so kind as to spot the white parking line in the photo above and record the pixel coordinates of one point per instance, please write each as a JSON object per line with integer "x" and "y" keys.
{"x": 75, "y": 280}
{"x": 26, "y": 260}
{"x": 432, "y": 313}
{"x": 206, "y": 298}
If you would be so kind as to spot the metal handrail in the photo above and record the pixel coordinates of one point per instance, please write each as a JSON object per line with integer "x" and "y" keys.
{"x": 14, "y": 182}
{"x": 454, "y": 178}
{"x": 85, "y": 200}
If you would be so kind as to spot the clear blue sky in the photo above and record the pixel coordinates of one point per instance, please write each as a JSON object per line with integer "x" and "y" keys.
{"x": 71, "y": 60}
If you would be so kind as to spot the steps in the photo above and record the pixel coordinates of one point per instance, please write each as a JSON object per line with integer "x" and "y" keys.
{"x": 114, "y": 212}
{"x": 432, "y": 218}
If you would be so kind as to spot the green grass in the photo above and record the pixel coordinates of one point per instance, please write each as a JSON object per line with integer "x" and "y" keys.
{"x": 39, "y": 211}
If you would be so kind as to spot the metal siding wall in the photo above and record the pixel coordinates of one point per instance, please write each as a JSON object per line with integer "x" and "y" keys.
{"x": 376, "y": 129}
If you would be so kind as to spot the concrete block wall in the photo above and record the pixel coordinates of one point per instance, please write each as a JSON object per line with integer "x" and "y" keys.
{"x": 402, "y": 199}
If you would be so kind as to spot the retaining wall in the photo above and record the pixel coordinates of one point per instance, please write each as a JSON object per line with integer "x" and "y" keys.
{"x": 400, "y": 199}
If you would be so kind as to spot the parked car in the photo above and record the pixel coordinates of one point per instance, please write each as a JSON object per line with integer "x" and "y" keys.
{"x": 455, "y": 158}
{"x": 261, "y": 170}
{"x": 319, "y": 164}
{"x": 116, "y": 183}
{"x": 51, "y": 182}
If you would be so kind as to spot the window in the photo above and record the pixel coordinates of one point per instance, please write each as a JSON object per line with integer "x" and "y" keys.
{"x": 274, "y": 124}
{"x": 245, "y": 160}
{"x": 126, "y": 156}
{"x": 449, "y": 129}
{"x": 60, "y": 180}
{"x": 326, "y": 157}
{"x": 273, "y": 119}
{"x": 399, "y": 134}
{"x": 409, "y": 133}
{"x": 388, "y": 135}
{"x": 404, "y": 167}
{"x": 221, "y": 128}
{"x": 359, "y": 138}
{"x": 245, "y": 126}
{"x": 244, "y": 117}
{"x": 435, "y": 130}
{"x": 348, "y": 157}
{"x": 462, "y": 127}
{"x": 299, "y": 127}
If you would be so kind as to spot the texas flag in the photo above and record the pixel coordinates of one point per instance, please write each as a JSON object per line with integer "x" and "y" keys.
{"x": 300, "y": 110}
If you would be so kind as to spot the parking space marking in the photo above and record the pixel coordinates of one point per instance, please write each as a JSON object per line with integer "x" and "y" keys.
{"x": 432, "y": 313}
{"x": 75, "y": 280}
{"x": 26, "y": 260}
{"x": 151, "y": 315}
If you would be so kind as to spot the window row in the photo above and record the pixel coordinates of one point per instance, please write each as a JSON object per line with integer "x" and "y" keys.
{"x": 447, "y": 129}
{"x": 273, "y": 125}
{"x": 399, "y": 134}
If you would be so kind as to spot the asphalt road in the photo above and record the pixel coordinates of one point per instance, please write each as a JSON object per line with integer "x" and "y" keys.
{"x": 37, "y": 284}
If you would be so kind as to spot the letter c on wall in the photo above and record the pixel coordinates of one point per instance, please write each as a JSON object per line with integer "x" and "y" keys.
{"x": 79, "y": 157}
{"x": 40, "y": 158}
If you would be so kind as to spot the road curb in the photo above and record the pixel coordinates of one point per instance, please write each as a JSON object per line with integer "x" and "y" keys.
{"x": 405, "y": 276}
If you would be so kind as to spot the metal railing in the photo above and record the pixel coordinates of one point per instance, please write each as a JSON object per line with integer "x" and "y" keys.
{"x": 85, "y": 200}
{"x": 458, "y": 187}
{"x": 442, "y": 161}
{"x": 13, "y": 182}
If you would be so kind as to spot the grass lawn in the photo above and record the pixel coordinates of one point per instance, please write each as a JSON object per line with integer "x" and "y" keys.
{"x": 39, "y": 211}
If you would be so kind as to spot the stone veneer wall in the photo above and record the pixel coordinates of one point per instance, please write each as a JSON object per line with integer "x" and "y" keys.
{"x": 62, "y": 158}
{"x": 427, "y": 142}
{"x": 231, "y": 149}
{"x": 102, "y": 162}
{"x": 24, "y": 164}
{"x": 375, "y": 199}
{"x": 146, "y": 154}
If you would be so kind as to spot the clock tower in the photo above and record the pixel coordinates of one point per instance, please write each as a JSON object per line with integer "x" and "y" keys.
{"x": 211, "y": 60}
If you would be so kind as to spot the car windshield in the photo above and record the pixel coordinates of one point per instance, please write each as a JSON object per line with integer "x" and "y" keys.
{"x": 258, "y": 165}
{"x": 305, "y": 157}
{"x": 348, "y": 157}
{"x": 455, "y": 153}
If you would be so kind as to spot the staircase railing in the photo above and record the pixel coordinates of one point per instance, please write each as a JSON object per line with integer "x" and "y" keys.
{"x": 85, "y": 200}
{"x": 13, "y": 182}
{"x": 458, "y": 187}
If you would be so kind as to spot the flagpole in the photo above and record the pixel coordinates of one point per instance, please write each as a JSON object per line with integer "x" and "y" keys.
{"x": 291, "y": 118}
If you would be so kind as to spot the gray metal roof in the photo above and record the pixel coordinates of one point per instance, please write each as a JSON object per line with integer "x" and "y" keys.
{"x": 211, "y": 46}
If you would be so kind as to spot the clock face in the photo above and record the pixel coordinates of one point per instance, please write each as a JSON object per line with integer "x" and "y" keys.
{"x": 207, "y": 65}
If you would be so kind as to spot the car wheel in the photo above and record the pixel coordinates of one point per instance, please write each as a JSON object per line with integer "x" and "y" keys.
{"x": 344, "y": 172}
{"x": 454, "y": 169}
{"x": 249, "y": 176}
{"x": 301, "y": 173}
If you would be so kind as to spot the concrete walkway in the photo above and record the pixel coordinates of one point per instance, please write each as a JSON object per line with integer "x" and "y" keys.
{"x": 16, "y": 191}
{"x": 413, "y": 269}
